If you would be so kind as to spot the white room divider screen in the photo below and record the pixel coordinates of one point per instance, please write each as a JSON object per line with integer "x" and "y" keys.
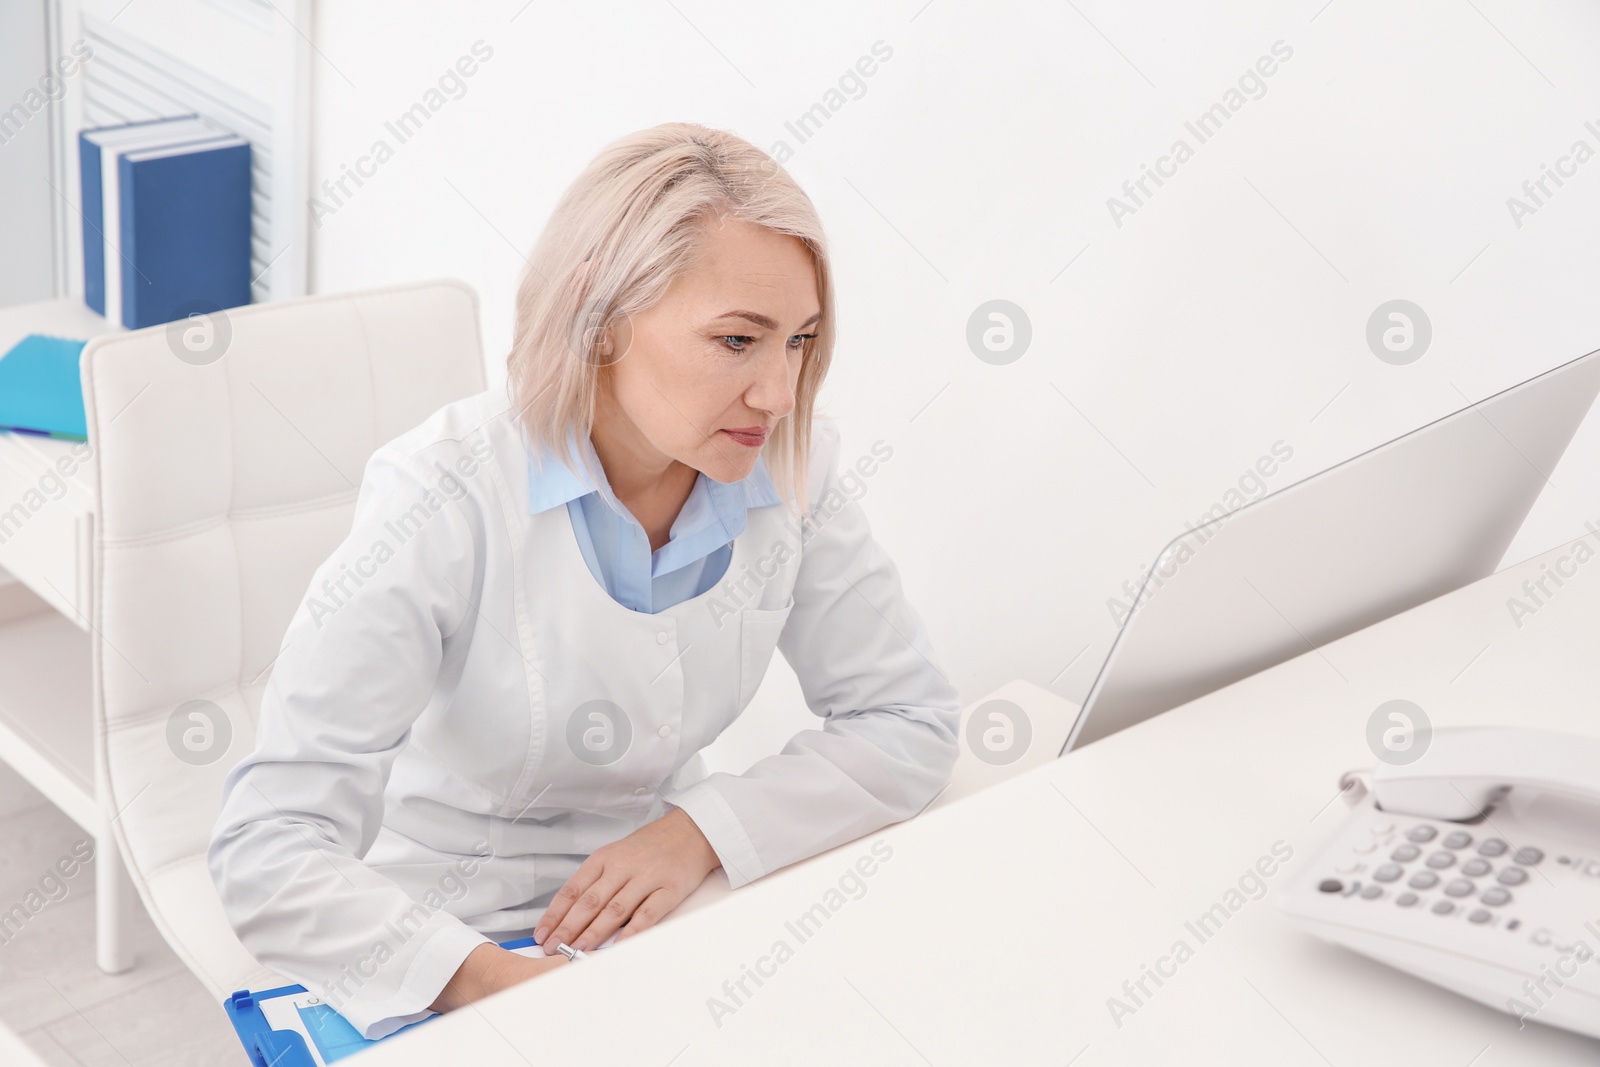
{"x": 242, "y": 64}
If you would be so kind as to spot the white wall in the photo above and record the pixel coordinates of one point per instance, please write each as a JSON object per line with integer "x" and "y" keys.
{"x": 1221, "y": 317}
{"x": 27, "y": 85}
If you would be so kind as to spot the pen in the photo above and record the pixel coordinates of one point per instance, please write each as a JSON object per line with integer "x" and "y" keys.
{"x": 570, "y": 952}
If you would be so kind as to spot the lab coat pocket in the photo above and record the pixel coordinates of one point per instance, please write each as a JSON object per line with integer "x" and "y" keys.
{"x": 758, "y": 637}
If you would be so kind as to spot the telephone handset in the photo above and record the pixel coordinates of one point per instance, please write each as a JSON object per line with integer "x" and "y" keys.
{"x": 1476, "y": 867}
{"x": 1466, "y": 769}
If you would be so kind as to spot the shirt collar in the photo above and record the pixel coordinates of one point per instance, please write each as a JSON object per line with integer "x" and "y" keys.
{"x": 556, "y": 482}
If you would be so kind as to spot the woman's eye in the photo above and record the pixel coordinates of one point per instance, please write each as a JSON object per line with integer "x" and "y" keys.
{"x": 740, "y": 342}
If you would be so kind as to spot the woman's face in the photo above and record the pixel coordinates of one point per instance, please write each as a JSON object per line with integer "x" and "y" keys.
{"x": 704, "y": 375}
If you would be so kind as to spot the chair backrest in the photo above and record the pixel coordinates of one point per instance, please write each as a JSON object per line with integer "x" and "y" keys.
{"x": 228, "y": 452}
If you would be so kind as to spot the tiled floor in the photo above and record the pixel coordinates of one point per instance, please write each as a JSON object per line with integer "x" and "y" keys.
{"x": 51, "y": 992}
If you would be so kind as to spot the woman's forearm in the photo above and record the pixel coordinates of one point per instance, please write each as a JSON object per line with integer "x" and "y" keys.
{"x": 489, "y": 969}
{"x": 466, "y": 984}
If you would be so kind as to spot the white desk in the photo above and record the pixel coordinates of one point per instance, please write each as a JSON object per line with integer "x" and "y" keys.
{"x": 46, "y": 545}
{"x": 1004, "y": 921}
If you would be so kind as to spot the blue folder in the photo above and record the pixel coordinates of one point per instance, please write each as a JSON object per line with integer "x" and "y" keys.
{"x": 39, "y": 388}
{"x": 333, "y": 1037}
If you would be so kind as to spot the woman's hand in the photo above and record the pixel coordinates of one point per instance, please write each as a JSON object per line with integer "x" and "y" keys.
{"x": 636, "y": 880}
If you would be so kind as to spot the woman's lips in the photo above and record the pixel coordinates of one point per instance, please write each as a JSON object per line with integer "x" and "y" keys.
{"x": 750, "y": 436}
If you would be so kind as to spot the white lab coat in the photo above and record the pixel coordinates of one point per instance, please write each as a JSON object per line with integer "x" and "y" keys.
{"x": 460, "y": 714}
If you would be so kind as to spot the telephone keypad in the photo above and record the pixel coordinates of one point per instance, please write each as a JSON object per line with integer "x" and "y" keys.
{"x": 1432, "y": 868}
{"x": 1389, "y": 872}
{"x": 1496, "y": 906}
{"x": 1452, "y": 847}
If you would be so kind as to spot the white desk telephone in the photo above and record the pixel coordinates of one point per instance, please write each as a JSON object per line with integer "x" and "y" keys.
{"x": 1476, "y": 867}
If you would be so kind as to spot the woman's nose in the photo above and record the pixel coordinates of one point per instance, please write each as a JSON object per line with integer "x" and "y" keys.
{"x": 772, "y": 390}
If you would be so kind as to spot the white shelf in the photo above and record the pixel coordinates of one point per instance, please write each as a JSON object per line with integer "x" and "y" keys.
{"x": 46, "y": 526}
{"x": 64, "y": 317}
{"x": 45, "y": 728}
{"x": 47, "y": 546}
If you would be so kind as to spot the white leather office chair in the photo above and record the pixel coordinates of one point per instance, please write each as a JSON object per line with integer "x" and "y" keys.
{"x": 220, "y": 487}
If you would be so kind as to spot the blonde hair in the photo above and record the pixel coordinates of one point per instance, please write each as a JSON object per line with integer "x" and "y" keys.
{"x": 622, "y": 232}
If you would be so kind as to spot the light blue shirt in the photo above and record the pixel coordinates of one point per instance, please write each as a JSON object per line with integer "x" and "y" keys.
{"x": 616, "y": 547}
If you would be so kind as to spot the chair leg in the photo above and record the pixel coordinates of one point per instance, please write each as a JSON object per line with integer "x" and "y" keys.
{"x": 110, "y": 889}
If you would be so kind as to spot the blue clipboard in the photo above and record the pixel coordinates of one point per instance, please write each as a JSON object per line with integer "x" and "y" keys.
{"x": 259, "y": 1019}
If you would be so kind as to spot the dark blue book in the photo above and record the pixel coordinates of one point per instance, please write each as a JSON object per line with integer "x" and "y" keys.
{"x": 98, "y": 149}
{"x": 185, "y": 230}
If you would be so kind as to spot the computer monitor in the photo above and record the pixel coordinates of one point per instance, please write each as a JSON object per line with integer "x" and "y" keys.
{"x": 1382, "y": 532}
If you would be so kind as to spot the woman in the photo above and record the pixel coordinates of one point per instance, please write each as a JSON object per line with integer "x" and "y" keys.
{"x": 487, "y": 716}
